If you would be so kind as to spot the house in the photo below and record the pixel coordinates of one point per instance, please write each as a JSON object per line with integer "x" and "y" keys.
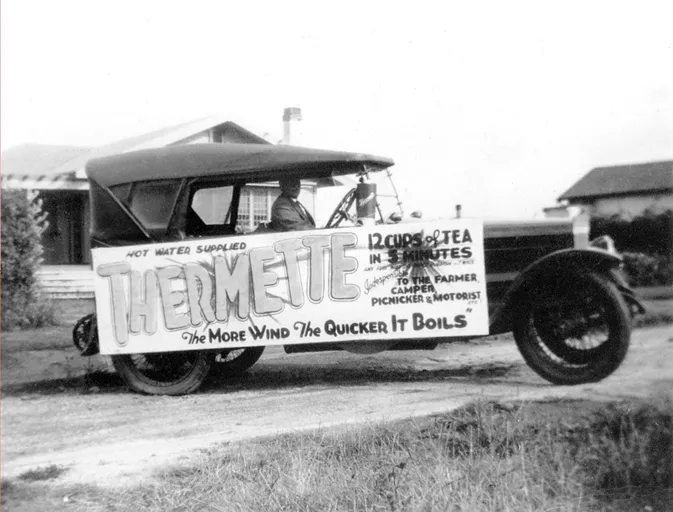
{"x": 57, "y": 172}
{"x": 625, "y": 190}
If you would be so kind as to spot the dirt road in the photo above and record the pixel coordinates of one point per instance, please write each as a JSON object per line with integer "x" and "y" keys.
{"x": 113, "y": 437}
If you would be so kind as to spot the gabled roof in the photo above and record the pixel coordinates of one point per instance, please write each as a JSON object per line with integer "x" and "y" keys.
{"x": 37, "y": 159}
{"x": 51, "y": 163}
{"x": 161, "y": 138}
{"x": 623, "y": 180}
{"x": 238, "y": 161}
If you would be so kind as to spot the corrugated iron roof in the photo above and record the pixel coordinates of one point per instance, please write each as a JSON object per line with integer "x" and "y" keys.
{"x": 623, "y": 179}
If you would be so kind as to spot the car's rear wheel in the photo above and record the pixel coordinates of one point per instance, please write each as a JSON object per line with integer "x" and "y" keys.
{"x": 164, "y": 373}
{"x": 230, "y": 363}
{"x": 573, "y": 329}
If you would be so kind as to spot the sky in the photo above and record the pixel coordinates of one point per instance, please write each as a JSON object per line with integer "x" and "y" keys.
{"x": 497, "y": 106}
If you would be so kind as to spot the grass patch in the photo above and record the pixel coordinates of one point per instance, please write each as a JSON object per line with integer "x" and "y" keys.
{"x": 560, "y": 456}
{"x": 94, "y": 381}
{"x": 40, "y": 474}
{"x": 655, "y": 292}
{"x": 54, "y": 337}
{"x": 658, "y": 312}
{"x": 47, "y": 338}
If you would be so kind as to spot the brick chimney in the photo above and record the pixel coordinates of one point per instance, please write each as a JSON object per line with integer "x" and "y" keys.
{"x": 292, "y": 133}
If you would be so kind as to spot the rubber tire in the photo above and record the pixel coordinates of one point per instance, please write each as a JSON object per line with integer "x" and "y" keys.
{"x": 613, "y": 350}
{"x": 83, "y": 338}
{"x": 239, "y": 365}
{"x": 140, "y": 383}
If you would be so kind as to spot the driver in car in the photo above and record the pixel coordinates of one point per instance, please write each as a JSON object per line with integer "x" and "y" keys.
{"x": 287, "y": 213}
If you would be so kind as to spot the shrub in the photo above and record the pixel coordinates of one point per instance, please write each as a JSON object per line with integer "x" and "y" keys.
{"x": 648, "y": 269}
{"x": 649, "y": 233}
{"x": 22, "y": 225}
{"x": 645, "y": 241}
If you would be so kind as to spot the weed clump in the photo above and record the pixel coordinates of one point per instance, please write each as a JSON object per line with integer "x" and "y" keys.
{"x": 629, "y": 449}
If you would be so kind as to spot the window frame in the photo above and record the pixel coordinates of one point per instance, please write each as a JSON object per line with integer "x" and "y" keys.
{"x": 194, "y": 225}
{"x": 127, "y": 195}
{"x": 269, "y": 198}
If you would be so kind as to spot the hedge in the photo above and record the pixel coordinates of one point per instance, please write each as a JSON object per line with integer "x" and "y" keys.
{"x": 648, "y": 269}
{"x": 648, "y": 233}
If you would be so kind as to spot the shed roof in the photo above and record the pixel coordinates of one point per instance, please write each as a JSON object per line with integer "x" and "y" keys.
{"x": 623, "y": 180}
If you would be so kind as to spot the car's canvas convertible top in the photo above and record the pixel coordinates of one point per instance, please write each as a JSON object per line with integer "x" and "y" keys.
{"x": 247, "y": 161}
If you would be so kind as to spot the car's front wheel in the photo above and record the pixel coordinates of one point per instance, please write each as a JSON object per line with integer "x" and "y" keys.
{"x": 165, "y": 373}
{"x": 573, "y": 329}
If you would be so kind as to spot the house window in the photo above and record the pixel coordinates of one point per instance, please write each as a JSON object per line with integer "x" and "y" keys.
{"x": 255, "y": 206}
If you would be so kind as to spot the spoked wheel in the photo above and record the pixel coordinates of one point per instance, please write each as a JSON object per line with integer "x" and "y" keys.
{"x": 340, "y": 213}
{"x": 85, "y": 335}
{"x": 573, "y": 330}
{"x": 164, "y": 373}
{"x": 234, "y": 362}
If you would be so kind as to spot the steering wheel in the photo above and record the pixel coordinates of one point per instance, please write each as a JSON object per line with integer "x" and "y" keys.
{"x": 340, "y": 213}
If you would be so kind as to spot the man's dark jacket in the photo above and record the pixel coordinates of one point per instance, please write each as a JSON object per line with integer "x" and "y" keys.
{"x": 289, "y": 215}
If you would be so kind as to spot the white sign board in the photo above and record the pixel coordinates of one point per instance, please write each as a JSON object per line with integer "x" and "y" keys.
{"x": 402, "y": 281}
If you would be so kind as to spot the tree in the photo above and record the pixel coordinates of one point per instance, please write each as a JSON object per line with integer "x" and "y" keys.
{"x": 22, "y": 225}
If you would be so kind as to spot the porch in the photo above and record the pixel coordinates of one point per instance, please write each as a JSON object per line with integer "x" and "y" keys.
{"x": 66, "y": 281}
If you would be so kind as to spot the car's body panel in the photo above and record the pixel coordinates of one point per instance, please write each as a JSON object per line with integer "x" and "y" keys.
{"x": 510, "y": 245}
{"x": 151, "y": 196}
{"x": 552, "y": 265}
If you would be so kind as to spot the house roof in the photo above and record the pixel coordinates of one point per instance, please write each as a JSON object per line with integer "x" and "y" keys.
{"x": 623, "y": 180}
{"x": 59, "y": 162}
{"x": 38, "y": 159}
{"x": 238, "y": 161}
{"x": 161, "y": 138}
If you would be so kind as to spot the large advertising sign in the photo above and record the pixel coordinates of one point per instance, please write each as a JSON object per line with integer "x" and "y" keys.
{"x": 351, "y": 284}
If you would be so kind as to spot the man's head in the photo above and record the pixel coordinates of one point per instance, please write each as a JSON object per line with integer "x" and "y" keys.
{"x": 290, "y": 186}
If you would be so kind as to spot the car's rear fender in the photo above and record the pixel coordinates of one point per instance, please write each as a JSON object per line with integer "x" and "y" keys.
{"x": 556, "y": 263}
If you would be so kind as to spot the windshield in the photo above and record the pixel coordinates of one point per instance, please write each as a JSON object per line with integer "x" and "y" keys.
{"x": 328, "y": 197}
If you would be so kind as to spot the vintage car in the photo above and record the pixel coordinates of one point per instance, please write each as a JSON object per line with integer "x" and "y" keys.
{"x": 184, "y": 287}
